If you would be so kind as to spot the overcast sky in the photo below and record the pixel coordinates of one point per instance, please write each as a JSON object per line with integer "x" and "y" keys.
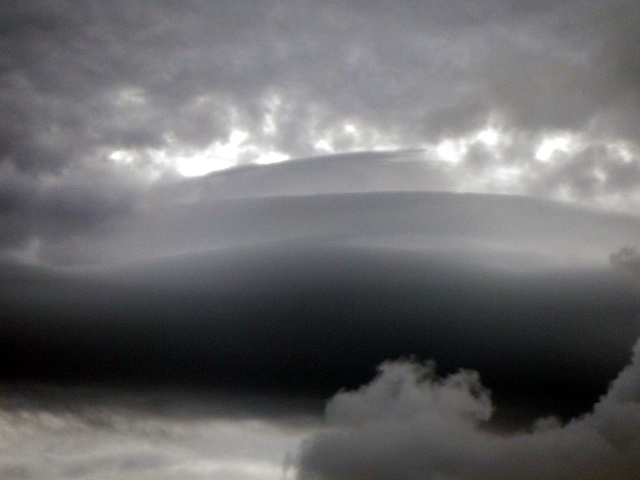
{"x": 325, "y": 240}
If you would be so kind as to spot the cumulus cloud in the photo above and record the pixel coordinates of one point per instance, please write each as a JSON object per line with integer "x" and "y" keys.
{"x": 408, "y": 390}
{"x": 408, "y": 424}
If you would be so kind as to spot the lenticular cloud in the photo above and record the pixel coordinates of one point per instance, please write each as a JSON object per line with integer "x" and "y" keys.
{"x": 408, "y": 424}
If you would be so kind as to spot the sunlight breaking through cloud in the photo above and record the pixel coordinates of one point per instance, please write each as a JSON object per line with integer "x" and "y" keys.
{"x": 557, "y": 143}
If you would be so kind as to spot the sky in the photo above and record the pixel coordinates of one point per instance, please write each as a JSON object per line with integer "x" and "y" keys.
{"x": 334, "y": 240}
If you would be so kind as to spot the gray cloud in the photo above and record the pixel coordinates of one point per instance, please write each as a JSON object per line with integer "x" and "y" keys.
{"x": 108, "y": 214}
{"x": 41, "y": 209}
{"x": 408, "y": 424}
{"x": 99, "y": 101}
{"x": 88, "y": 433}
{"x": 627, "y": 258}
{"x": 367, "y": 219}
{"x": 77, "y": 82}
{"x": 594, "y": 171}
{"x": 309, "y": 317}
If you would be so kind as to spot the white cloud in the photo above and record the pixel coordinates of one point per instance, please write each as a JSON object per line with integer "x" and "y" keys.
{"x": 552, "y": 144}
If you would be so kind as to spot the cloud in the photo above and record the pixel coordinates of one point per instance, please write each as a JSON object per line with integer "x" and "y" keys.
{"x": 107, "y": 214}
{"x": 406, "y": 390}
{"x": 159, "y": 281}
{"x": 58, "y": 208}
{"x": 310, "y": 318}
{"x": 408, "y": 424}
{"x": 626, "y": 258}
{"x": 154, "y": 81}
{"x": 58, "y": 433}
{"x": 107, "y": 219}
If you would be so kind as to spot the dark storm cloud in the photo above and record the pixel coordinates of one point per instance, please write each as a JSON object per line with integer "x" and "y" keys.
{"x": 311, "y": 319}
{"x": 205, "y": 273}
{"x": 160, "y": 353}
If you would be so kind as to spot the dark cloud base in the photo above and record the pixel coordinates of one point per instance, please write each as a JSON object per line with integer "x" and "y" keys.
{"x": 308, "y": 320}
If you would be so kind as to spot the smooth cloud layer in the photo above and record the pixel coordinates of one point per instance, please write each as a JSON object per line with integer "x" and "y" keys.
{"x": 408, "y": 424}
{"x": 78, "y": 219}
